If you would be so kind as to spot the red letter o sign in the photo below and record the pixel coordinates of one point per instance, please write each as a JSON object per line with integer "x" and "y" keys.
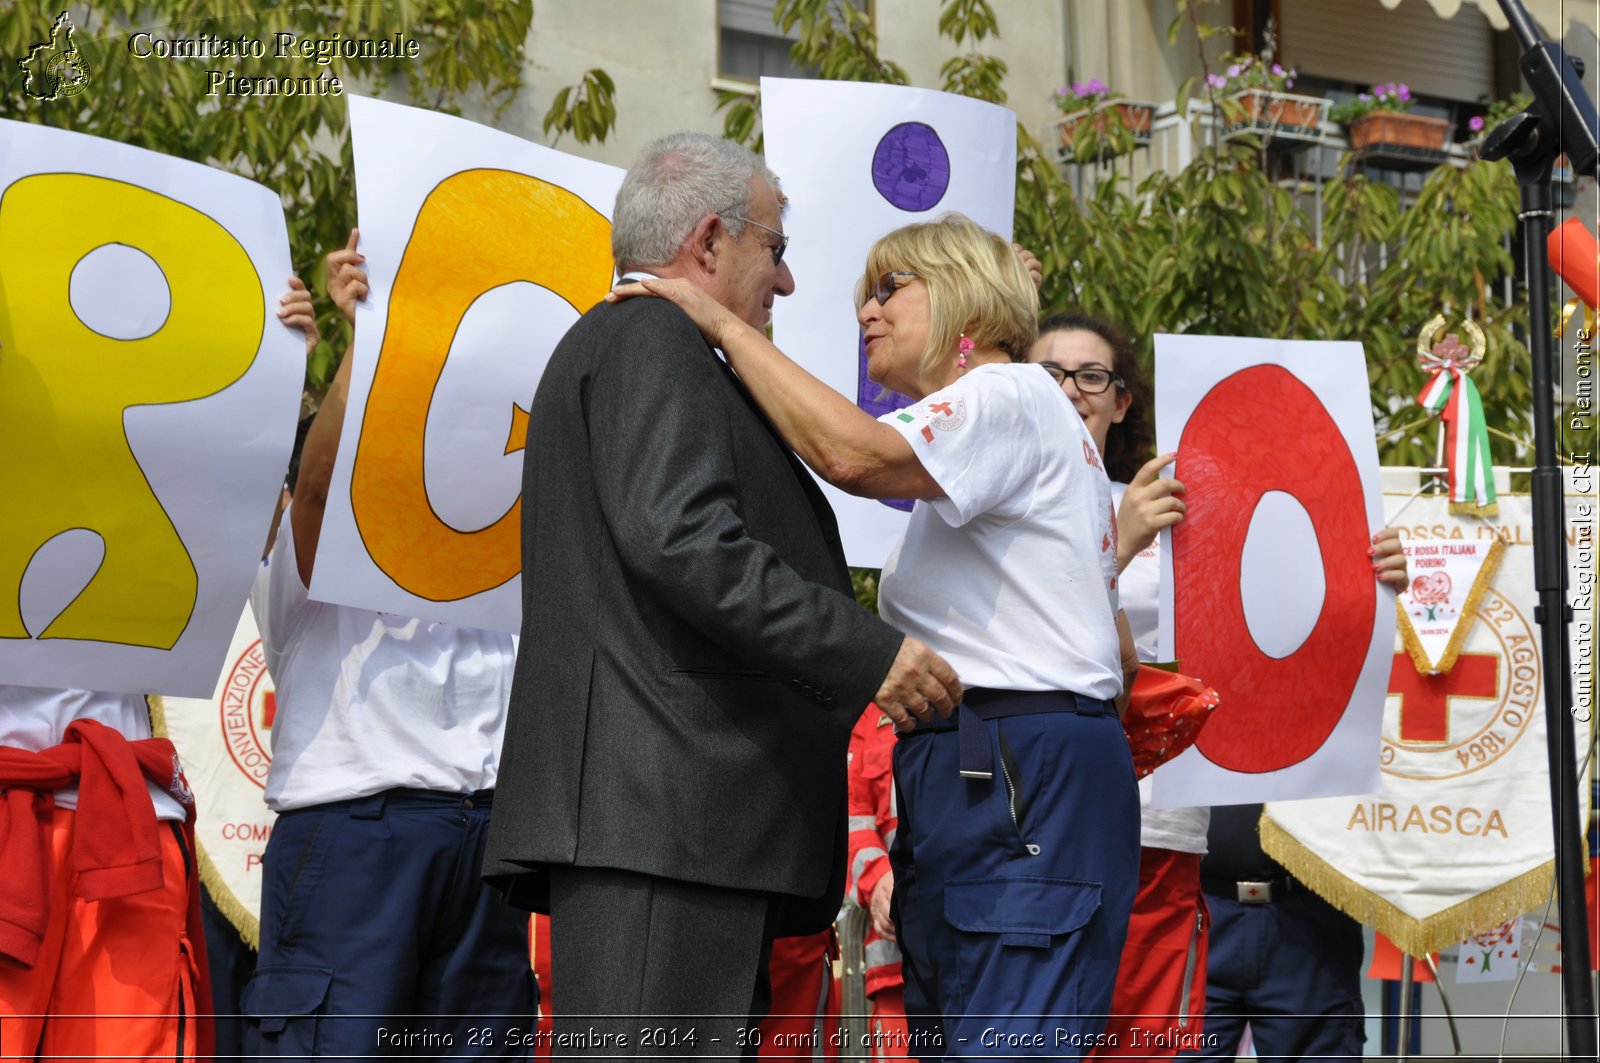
{"x": 1275, "y": 713}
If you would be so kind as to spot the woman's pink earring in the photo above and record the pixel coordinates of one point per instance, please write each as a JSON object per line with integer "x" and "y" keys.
{"x": 965, "y": 347}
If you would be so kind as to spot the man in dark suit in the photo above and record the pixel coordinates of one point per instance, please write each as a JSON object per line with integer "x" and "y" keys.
{"x": 672, "y": 783}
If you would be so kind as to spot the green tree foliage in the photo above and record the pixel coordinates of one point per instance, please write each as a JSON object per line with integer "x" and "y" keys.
{"x": 471, "y": 51}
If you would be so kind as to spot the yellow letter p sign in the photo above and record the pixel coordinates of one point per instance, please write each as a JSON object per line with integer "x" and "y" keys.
{"x": 74, "y": 359}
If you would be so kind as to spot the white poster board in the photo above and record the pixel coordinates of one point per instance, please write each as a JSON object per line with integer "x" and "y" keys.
{"x": 148, "y": 396}
{"x": 1268, "y": 592}
{"x": 481, "y": 249}
{"x": 858, "y": 161}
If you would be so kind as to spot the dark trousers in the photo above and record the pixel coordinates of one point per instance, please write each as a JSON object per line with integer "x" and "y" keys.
{"x": 232, "y": 962}
{"x": 379, "y": 938}
{"x": 647, "y": 967}
{"x": 1012, "y": 894}
{"x": 1291, "y": 969}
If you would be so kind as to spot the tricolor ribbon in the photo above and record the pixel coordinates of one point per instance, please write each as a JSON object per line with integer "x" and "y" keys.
{"x": 1453, "y": 396}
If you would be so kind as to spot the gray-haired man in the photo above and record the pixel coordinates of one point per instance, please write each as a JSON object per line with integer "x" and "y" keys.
{"x": 672, "y": 783}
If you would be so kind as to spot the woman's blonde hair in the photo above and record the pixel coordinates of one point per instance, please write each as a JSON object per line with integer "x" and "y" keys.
{"x": 977, "y": 285}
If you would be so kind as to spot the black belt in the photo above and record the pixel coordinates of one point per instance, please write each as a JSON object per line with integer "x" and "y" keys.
{"x": 979, "y": 704}
{"x": 1252, "y": 891}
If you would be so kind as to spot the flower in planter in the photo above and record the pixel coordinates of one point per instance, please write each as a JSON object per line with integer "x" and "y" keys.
{"x": 1083, "y": 95}
{"x": 1249, "y": 70}
{"x": 1391, "y": 97}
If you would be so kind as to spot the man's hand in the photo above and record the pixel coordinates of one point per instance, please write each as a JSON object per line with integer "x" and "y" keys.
{"x": 1150, "y": 504}
{"x": 1389, "y": 560}
{"x": 919, "y": 683}
{"x": 879, "y": 909}
{"x": 347, "y": 281}
{"x": 296, "y": 311}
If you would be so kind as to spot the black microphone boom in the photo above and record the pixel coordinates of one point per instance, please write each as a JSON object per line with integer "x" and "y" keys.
{"x": 1561, "y": 119}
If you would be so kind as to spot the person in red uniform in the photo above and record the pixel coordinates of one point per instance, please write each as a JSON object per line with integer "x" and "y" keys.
{"x": 873, "y": 819}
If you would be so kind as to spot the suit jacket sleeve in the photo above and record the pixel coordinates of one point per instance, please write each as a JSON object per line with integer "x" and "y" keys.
{"x": 665, "y": 476}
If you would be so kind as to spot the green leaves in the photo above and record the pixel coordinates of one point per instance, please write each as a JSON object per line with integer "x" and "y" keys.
{"x": 591, "y": 113}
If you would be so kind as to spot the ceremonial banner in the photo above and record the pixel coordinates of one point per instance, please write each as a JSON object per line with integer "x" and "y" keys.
{"x": 1448, "y": 580}
{"x": 226, "y": 747}
{"x": 1457, "y": 838}
{"x": 857, "y": 161}
{"x": 1268, "y": 593}
{"x": 148, "y": 396}
{"x": 481, "y": 251}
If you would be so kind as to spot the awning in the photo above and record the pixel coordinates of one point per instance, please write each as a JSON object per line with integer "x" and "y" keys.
{"x": 1553, "y": 16}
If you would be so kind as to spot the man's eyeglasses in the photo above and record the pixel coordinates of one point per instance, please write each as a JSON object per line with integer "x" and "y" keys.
{"x": 886, "y": 286}
{"x": 1089, "y": 380}
{"x": 777, "y": 249}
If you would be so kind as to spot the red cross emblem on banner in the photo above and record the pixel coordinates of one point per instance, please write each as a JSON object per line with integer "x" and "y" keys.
{"x": 1425, "y": 699}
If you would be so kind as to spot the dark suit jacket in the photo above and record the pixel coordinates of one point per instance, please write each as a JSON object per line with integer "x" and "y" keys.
{"x": 692, "y": 660}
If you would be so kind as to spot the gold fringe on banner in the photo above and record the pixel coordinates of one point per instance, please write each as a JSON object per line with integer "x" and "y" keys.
{"x": 1469, "y": 610}
{"x": 232, "y": 908}
{"x": 1416, "y": 937}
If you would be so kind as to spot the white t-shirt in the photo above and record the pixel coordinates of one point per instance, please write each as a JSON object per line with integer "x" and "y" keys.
{"x": 1011, "y": 577}
{"x": 36, "y": 718}
{"x": 1180, "y": 829}
{"x": 367, "y": 701}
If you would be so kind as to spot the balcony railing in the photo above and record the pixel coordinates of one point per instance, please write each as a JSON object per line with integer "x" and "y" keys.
{"x": 1304, "y": 161}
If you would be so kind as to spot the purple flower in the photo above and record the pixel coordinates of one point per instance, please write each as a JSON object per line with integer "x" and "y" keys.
{"x": 1062, "y": 91}
{"x": 1364, "y": 97}
{"x": 1078, "y": 89}
{"x": 1097, "y": 86}
{"x": 1404, "y": 93}
{"x": 1289, "y": 84}
{"x": 1216, "y": 81}
{"x": 1475, "y": 123}
{"x": 1235, "y": 70}
{"x": 1277, "y": 69}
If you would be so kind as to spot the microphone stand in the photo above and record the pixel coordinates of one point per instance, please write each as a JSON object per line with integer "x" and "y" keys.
{"x": 1560, "y": 119}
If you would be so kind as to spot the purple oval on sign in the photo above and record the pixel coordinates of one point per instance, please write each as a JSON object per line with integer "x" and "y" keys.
{"x": 911, "y": 167}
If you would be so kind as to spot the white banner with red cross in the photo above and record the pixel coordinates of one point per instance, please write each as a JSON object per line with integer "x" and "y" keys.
{"x": 226, "y": 746}
{"x": 1458, "y": 837}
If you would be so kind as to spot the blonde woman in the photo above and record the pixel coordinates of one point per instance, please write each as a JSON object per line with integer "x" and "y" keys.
{"x": 1017, "y": 852}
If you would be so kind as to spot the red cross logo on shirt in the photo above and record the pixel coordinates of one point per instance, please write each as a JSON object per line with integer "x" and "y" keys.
{"x": 1425, "y": 699}
{"x": 941, "y": 408}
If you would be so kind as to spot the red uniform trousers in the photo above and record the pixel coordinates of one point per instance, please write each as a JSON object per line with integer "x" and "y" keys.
{"x": 1159, "y": 1000}
{"x": 103, "y": 951}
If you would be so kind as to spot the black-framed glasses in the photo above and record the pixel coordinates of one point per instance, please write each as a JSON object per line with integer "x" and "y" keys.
{"x": 1090, "y": 380}
{"x": 886, "y": 286}
{"x": 783, "y": 239}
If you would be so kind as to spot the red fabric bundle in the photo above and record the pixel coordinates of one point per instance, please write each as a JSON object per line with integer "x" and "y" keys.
{"x": 1165, "y": 715}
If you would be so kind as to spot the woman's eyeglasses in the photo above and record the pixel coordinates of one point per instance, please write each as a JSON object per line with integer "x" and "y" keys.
{"x": 886, "y": 286}
{"x": 1089, "y": 380}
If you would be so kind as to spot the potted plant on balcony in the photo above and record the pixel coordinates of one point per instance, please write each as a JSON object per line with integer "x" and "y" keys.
{"x": 1098, "y": 124}
{"x": 1382, "y": 128}
{"x": 1253, "y": 96}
